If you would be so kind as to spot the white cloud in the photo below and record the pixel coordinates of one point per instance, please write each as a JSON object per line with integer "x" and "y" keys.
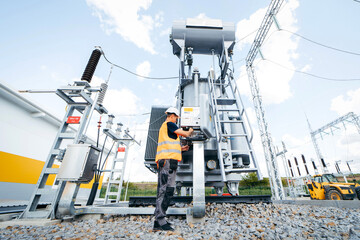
{"x": 349, "y": 103}
{"x": 165, "y": 32}
{"x": 159, "y": 19}
{"x": 119, "y": 102}
{"x": 123, "y": 18}
{"x": 143, "y": 69}
{"x": 202, "y": 16}
{"x": 247, "y": 26}
{"x": 160, "y": 87}
{"x": 279, "y": 47}
{"x": 306, "y": 68}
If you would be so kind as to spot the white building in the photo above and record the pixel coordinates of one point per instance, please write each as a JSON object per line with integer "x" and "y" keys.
{"x": 27, "y": 133}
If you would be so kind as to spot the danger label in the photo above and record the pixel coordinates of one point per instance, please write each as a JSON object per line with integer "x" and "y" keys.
{"x": 121, "y": 149}
{"x": 73, "y": 120}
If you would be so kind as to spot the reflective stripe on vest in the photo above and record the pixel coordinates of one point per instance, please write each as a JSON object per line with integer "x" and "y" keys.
{"x": 168, "y": 148}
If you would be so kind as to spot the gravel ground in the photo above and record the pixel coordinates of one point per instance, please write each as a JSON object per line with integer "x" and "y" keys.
{"x": 223, "y": 221}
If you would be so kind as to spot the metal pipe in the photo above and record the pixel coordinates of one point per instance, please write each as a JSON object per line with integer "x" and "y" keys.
{"x": 196, "y": 87}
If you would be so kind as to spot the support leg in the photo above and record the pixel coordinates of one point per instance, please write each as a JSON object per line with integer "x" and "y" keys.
{"x": 198, "y": 180}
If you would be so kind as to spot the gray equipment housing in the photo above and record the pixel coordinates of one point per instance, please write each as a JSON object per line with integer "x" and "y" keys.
{"x": 195, "y": 31}
{"x": 79, "y": 163}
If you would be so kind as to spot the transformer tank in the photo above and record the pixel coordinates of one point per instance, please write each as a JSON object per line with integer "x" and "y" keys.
{"x": 211, "y": 105}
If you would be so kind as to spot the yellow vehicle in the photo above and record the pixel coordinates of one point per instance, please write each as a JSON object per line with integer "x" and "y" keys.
{"x": 327, "y": 187}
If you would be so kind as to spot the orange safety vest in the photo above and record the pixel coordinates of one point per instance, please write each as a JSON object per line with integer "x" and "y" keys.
{"x": 168, "y": 148}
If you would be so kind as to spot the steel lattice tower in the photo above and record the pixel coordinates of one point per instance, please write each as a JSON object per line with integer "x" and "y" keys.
{"x": 329, "y": 129}
{"x": 266, "y": 140}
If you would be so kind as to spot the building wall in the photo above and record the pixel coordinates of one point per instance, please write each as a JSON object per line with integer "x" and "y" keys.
{"x": 25, "y": 141}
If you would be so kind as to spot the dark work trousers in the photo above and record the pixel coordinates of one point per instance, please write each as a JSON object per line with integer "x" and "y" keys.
{"x": 165, "y": 188}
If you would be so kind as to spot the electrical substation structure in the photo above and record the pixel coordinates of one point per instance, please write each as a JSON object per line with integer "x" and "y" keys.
{"x": 349, "y": 118}
{"x": 220, "y": 151}
{"x": 266, "y": 139}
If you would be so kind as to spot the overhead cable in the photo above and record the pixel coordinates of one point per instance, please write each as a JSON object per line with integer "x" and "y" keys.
{"x": 320, "y": 44}
{"x": 138, "y": 75}
{"x": 313, "y": 75}
{"x": 247, "y": 36}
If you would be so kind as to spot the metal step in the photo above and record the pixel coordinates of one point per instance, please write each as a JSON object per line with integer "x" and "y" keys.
{"x": 229, "y": 110}
{"x": 67, "y": 135}
{"x": 239, "y": 152}
{"x": 43, "y": 191}
{"x": 225, "y": 101}
{"x": 51, "y": 170}
{"x": 55, "y": 152}
{"x": 231, "y": 121}
{"x": 241, "y": 170}
{"x": 235, "y": 135}
{"x": 119, "y": 160}
{"x": 111, "y": 193}
{"x": 114, "y": 181}
{"x": 37, "y": 214}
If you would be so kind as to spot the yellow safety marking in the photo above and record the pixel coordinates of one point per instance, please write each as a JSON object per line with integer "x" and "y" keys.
{"x": 19, "y": 169}
{"x": 188, "y": 109}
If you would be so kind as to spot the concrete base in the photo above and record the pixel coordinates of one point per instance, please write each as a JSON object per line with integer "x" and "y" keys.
{"x": 8, "y": 217}
{"x": 30, "y": 222}
{"x": 191, "y": 219}
{"x": 89, "y": 216}
{"x": 323, "y": 203}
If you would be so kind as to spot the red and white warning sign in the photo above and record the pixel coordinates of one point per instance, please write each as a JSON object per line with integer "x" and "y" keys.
{"x": 121, "y": 149}
{"x": 73, "y": 120}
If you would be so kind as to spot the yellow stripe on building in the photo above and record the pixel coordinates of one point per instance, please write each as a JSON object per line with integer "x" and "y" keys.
{"x": 19, "y": 169}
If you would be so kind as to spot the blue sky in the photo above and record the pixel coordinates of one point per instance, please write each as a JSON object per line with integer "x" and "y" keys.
{"x": 46, "y": 44}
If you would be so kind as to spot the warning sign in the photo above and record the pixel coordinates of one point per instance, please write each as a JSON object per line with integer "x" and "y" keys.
{"x": 121, "y": 149}
{"x": 73, "y": 120}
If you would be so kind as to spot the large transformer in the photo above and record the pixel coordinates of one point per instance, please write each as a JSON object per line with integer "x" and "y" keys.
{"x": 211, "y": 105}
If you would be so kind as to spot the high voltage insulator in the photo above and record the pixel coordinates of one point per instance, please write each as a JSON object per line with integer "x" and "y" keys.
{"x": 91, "y": 66}
{"x": 104, "y": 87}
{"x": 297, "y": 165}
{"x": 323, "y": 162}
{"x": 292, "y": 174}
{"x": 304, "y": 161}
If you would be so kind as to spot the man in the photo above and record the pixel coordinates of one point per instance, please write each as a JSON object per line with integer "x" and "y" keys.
{"x": 167, "y": 157}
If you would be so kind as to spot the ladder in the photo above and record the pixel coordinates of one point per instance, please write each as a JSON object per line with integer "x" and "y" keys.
{"x": 44, "y": 200}
{"x": 222, "y": 105}
{"x": 114, "y": 185}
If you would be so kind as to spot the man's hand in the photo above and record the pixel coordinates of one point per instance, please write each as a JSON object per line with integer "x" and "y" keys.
{"x": 184, "y": 133}
{"x": 191, "y": 131}
{"x": 185, "y": 148}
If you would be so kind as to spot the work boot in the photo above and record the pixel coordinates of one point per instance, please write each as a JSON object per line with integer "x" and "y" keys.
{"x": 166, "y": 227}
{"x": 156, "y": 226}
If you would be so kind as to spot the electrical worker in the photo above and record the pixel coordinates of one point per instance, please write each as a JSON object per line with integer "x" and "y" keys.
{"x": 167, "y": 157}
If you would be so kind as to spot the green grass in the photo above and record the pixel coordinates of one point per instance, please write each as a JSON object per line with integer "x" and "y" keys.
{"x": 135, "y": 191}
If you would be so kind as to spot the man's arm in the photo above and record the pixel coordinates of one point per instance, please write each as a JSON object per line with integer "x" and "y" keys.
{"x": 184, "y": 133}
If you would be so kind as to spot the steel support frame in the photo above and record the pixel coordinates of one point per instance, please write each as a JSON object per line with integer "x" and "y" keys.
{"x": 268, "y": 146}
{"x": 347, "y": 118}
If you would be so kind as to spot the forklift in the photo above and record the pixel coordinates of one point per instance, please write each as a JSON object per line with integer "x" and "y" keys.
{"x": 327, "y": 187}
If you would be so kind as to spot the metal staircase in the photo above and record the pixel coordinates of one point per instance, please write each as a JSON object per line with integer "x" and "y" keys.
{"x": 44, "y": 200}
{"x": 228, "y": 111}
{"x": 116, "y": 179}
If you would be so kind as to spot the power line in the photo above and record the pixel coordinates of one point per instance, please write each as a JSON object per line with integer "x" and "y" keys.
{"x": 313, "y": 75}
{"x": 138, "y": 75}
{"x": 247, "y": 36}
{"x": 320, "y": 44}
